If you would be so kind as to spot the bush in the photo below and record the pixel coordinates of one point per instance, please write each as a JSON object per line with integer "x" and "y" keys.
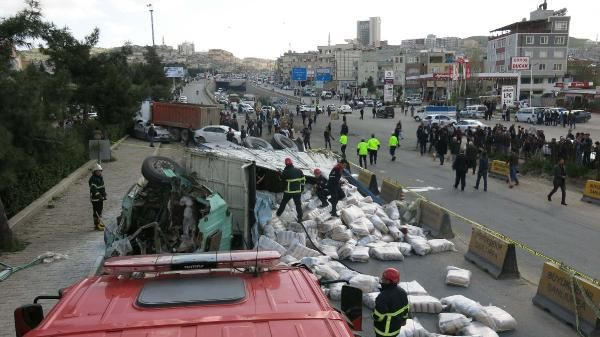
{"x": 575, "y": 170}
{"x": 534, "y": 165}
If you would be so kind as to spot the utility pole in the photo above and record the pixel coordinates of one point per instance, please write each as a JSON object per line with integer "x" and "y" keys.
{"x": 151, "y": 21}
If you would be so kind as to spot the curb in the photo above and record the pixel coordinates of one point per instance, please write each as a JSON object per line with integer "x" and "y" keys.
{"x": 28, "y": 212}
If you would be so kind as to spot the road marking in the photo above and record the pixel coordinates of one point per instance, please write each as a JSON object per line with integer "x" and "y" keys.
{"x": 424, "y": 189}
{"x": 420, "y": 181}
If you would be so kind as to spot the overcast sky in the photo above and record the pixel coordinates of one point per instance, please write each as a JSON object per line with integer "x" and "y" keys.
{"x": 266, "y": 28}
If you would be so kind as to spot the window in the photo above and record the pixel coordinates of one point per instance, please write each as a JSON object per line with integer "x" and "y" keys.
{"x": 561, "y": 25}
{"x": 560, "y": 40}
{"x": 552, "y": 80}
{"x": 528, "y": 53}
{"x": 543, "y": 40}
{"x": 529, "y": 39}
{"x": 538, "y": 80}
{"x": 525, "y": 80}
{"x": 502, "y": 68}
{"x": 542, "y": 66}
{"x": 543, "y": 54}
{"x": 558, "y": 66}
{"x": 559, "y": 54}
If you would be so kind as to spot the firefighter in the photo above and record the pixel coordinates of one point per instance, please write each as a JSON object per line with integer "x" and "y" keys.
{"x": 391, "y": 305}
{"x": 362, "y": 149}
{"x": 321, "y": 187}
{"x": 343, "y": 143}
{"x": 393, "y": 143}
{"x": 373, "y": 145}
{"x": 97, "y": 196}
{"x": 294, "y": 185}
{"x": 333, "y": 185}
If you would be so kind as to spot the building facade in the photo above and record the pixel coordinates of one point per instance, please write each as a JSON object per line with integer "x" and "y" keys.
{"x": 544, "y": 38}
{"x": 186, "y": 48}
{"x": 368, "y": 33}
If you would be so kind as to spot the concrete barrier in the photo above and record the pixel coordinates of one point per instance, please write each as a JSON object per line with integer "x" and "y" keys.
{"x": 32, "y": 209}
{"x": 436, "y": 220}
{"x": 499, "y": 169}
{"x": 390, "y": 191}
{"x": 369, "y": 179}
{"x": 591, "y": 192}
{"x": 555, "y": 294}
{"x": 492, "y": 254}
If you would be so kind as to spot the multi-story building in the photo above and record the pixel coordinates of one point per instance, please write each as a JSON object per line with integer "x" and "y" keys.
{"x": 368, "y": 33}
{"x": 544, "y": 39}
{"x": 432, "y": 42}
{"x": 186, "y": 48}
{"x": 373, "y": 63}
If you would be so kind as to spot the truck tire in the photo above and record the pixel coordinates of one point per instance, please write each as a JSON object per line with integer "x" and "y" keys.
{"x": 152, "y": 169}
{"x": 175, "y": 134}
{"x": 186, "y": 134}
{"x": 257, "y": 143}
{"x": 281, "y": 142}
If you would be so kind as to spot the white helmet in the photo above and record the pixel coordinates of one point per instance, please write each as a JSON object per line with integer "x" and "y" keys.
{"x": 97, "y": 167}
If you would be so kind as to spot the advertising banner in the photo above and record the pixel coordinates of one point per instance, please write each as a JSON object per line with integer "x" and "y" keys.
{"x": 519, "y": 63}
{"x": 508, "y": 95}
{"x": 174, "y": 71}
{"x": 388, "y": 93}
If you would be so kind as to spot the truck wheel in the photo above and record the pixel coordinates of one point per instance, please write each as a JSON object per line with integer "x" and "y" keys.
{"x": 257, "y": 143}
{"x": 185, "y": 135}
{"x": 200, "y": 140}
{"x": 152, "y": 169}
{"x": 175, "y": 134}
{"x": 281, "y": 142}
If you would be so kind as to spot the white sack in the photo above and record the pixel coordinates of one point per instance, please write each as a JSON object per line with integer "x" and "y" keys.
{"x": 441, "y": 245}
{"x": 378, "y": 223}
{"x": 351, "y": 213}
{"x": 396, "y": 233}
{"x": 336, "y": 265}
{"x": 341, "y": 233}
{"x": 265, "y": 243}
{"x": 419, "y": 244}
{"x": 330, "y": 251}
{"x": 424, "y": 303}
{"x": 311, "y": 261}
{"x": 451, "y": 323}
{"x": 366, "y": 283}
{"x": 369, "y": 299}
{"x": 387, "y": 238}
{"x": 287, "y": 238}
{"x": 368, "y": 208}
{"x": 345, "y": 251}
{"x": 458, "y": 276}
{"x": 360, "y": 227}
{"x": 300, "y": 251}
{"x": 404, "y": 247}
{"x": 413, "y": 328}
{"x": 360, "y": 254}
{"x": 328, "y": 225}
{"x": 269, "y": 231}
{"x": 288, "y": 259}
{"x": 367, "y": 199}
{"x": 386, "y": 253}
{"x": 335, "y": 291}
{"x": 326, "y": 272}
{"x": 478, "y": 329}
{"x": 504, "y": 321}
{"x": 331, "y": 242}
{"x": 468, "y": 307}
{"x": 347, "y": 274}
{"x": 392, "y": 211}
{"x": 413, "y": 230}
{"x": 412, "y": 288}
{"x": 365, "y": 241}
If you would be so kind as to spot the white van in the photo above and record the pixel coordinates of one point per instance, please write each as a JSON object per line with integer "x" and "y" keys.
{"x": 473, "y": 111}
{"x": 528, "y": 115}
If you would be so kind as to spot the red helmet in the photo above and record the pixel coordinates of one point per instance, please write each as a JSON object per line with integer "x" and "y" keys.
{"x": 391, "y": 274}
{"x": 317, "y": 172}
{"x": 288, "y": 161}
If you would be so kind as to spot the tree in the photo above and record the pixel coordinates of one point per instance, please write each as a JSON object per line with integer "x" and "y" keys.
{"x": 371, "y": 85}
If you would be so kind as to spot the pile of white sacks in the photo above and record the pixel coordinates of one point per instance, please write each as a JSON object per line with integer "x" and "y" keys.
{"x": 364, "y": 230}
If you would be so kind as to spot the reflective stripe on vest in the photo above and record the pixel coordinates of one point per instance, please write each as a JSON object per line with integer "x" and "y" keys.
{"x": 388, "y": 318}
{"x": 302, "y": 181}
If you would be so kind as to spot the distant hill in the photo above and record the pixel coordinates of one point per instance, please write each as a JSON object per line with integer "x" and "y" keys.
{"x": 576, "y": 43}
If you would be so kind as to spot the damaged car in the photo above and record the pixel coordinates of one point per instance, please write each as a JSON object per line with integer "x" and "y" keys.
{"x": 169, "y": 211}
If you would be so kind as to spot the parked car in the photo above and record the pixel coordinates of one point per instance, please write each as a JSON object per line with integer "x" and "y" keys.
{"x": 439, "y": 119}
{"x": 183, "y": 99}
{"x": 215, "y": 133}
{"x": 345, "y": 109}
{"x": 415, "y": 101}
{"x": 267, "y": 108}
{"x": 247, "y": 108}
{"x": 385, "y": 112}
{"x": 466, "y": 124}
{"x": 332, "y": 107}
{"x": 140, "y": 131}
{"x": 473, "y": 111}
{"x": 369, "y": 103}
{"x": 308, "y": 108}
{"x": 581, "y": 116}
{"x": 529, "y": 115}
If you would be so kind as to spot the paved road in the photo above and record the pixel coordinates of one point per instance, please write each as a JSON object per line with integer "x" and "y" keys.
{"x": 194, "y": 87}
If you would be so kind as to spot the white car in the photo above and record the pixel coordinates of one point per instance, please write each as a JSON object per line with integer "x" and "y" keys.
{"x": 183, "y": 99}
{"x": 308, "y": 108}
{"x": 345, "y": 109}
{"x": 247, "y": 108}
{"x": 529, "y": 115}
{"x": 215, "y": 133}
{"x": 439, "y": 119}
{"x": 466, "y": 124}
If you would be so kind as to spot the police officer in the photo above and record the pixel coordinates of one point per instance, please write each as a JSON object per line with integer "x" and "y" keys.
{"x": 362, "y": 149}
{"x": 343, "y": 143}
{"x": 373, "y": 146}
{"x": 97, "y": 196}
{"x": 393, "y": 144}
{"x": 333, "y": 185}
{"x": 321, "y": 187}
{"x": 391, "y": 305}
{"x": 294, "y": 185}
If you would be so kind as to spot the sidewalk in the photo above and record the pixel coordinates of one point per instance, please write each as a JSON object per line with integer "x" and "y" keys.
{"x": 67, "y": 228}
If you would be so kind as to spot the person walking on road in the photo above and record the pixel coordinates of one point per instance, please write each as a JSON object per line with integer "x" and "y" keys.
{"x": 343, "y": 143}
{"x": 513, "y": 166}
{"x": 306, "y": 138}
{"x": 97, "y": 196}
{"x": 374, "y": 111}
{"x": 391, "y": 305}
{"x": 422, "y": 138}
{"x": 321, "y": 187}
{"x": 294, "y": 182}
{"x": 344, "y": 129}
{"x": 373, "y": 144}
{"x": 460, "y": 168}
{"x": 362, "y": 149}
{"x": 334, "y": 188}
{"x": 442, "y": 147}
{"x": 327, "y": 136}
{"x": 362, "y": 113}
{"x": 412, "y": 111}
{"x": 559, "y": 181}
{"x": 471, "y": 154}
{"x": 482, "y": 171}
{"x": 393, "y": 144}
{"x": 151, "y": 134}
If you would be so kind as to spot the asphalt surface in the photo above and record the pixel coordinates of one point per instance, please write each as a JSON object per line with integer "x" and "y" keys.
{"x": 569, "y": 234}
{"x": 194, "y": 87}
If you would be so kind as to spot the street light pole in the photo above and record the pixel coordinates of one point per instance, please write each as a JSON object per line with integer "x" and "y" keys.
{"x": 531, "y": 82}
{"x": 151, "y": 21}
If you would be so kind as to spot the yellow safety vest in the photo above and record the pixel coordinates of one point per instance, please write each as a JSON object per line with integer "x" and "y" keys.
{"x": 362, "y": 148}
{"x": 373, "y": 144}
{"x": 343, "y": 139}
{"x": 393, "y": 142}
{"x": 377, "y": 316}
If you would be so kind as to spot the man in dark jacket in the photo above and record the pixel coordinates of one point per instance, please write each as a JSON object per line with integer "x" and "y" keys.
{"x": 97, "y": 196}
{"x": 391, "y": 305}
{"x": 333, "y": 185}
{"x": 442, "y": 146}
{"x": 151, "y": 134}
{"x": 321, "y": 187}
{"x": 482, "y": 171}
{"x": 471, "y": 154}
{"x": 294, "y": 185}
{"x": 422, "y": 137}
{"x": 560, "y": 175}
{"x": 460, "y": 168}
